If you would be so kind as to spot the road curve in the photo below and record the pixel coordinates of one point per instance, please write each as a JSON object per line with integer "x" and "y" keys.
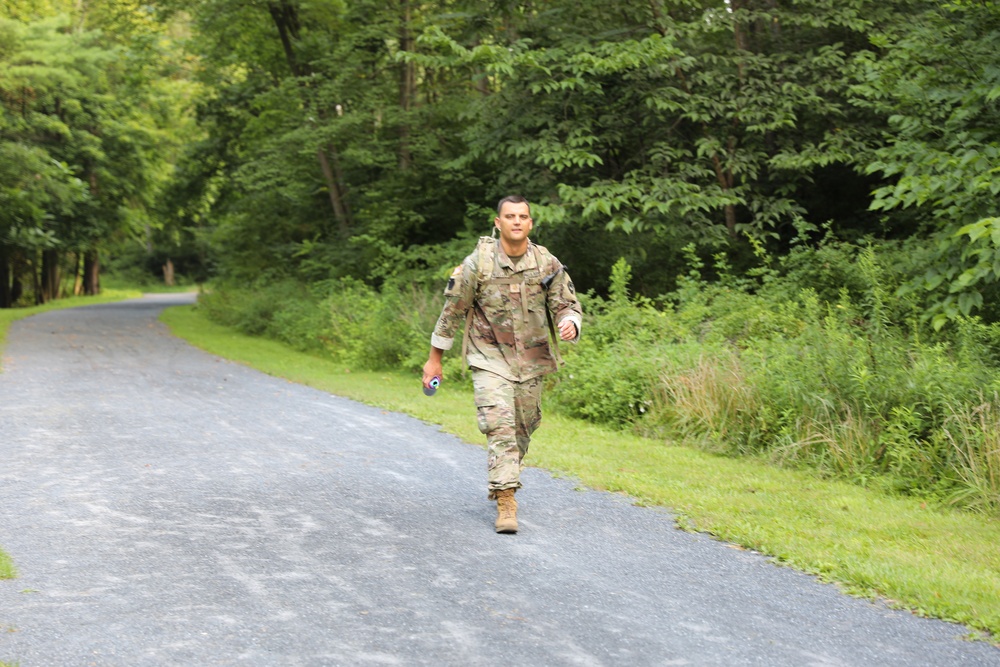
{"x": 166, "y": 507}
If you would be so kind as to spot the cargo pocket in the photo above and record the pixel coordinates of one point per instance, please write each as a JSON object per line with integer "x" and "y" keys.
{"x": 486, "y": 416}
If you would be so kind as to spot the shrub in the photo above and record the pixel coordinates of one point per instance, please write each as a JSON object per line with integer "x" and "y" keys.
{"x": 610, "y": 385}
{"x": 341, "y": 319}
{"x": 285, "y": 310}
{"x": 614, "y": 367}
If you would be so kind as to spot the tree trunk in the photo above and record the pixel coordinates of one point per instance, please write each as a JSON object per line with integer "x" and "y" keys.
{"x": 36, "y": 279}
{"x": 337, "y": 201}
{"x": 78, "y": 275}
{"x": 740, "y": 37}
{"x": 18, "y": 266}
{"x": 656, "y": 10}
{"x": 742, "y": 43}
{"x": 286, "y": 20}
{"x": 50, "y": 276}
{"x": 725, "y": 178}
{"x": 16, "y": 289}
{"x": 168, "y": 274}
{"x": 407, "y": 85}
{"x": 5, "y": 291}
{"x": 284, "y": 14}
{"x": 91, "y": 273}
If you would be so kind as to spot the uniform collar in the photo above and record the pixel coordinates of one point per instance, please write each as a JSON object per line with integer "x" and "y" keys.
{"x": 528, "y": 261}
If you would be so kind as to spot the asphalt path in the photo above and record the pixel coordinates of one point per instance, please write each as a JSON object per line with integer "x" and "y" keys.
{"x": 166, "y": 507}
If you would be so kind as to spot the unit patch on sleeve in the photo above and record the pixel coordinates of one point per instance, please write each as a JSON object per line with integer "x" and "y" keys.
{"x": 455, "y": 275}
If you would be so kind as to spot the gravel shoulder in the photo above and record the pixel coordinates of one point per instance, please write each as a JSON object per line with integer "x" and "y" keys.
{"x": 166, "y": 507}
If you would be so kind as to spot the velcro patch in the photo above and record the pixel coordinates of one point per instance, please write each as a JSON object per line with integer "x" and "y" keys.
{"x": 455, "y": 275}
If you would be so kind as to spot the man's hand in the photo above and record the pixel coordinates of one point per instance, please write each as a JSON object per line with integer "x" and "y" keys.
{"x": 567, "y": 329}
{"x": 432, "y": 368}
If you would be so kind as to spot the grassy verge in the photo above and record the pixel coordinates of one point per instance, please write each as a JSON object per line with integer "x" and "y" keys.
{"x": 937, "y": 563}
{"x": 10, "y": 315}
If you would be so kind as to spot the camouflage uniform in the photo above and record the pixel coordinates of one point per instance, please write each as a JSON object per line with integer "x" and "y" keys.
{"x": 505, "y": 307}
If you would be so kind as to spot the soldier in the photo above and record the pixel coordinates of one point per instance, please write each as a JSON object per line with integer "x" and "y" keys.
{"x": 511, "y": 293}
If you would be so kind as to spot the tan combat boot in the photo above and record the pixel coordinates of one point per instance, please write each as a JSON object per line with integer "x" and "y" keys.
{"x": 506, "y": 511}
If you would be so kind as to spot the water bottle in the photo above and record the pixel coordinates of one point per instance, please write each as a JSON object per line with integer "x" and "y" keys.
{"x": 434, "y": 384}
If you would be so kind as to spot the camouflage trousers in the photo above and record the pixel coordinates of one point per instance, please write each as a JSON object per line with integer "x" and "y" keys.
{"x": 508, "y": 413}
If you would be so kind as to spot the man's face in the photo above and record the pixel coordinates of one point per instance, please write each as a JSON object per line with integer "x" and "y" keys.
{"x": 514, "y": 222}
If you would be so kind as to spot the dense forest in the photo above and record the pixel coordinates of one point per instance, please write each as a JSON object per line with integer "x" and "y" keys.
{"x": 783, "y": 215}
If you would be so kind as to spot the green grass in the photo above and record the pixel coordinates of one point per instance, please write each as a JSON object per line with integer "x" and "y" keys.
{"x": 939, "y": 563}
{"x": 10, "y": 315}
{"x": 7, "y": 569}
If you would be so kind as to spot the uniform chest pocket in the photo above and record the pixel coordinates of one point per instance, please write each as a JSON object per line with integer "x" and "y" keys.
{"x": 491, "y": 298}
{"x": 535, "y": 295}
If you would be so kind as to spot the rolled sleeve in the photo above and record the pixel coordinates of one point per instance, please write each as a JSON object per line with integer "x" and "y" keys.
{"x": 578, "y": 321}
{"x": 564, "y": 304}
{"x": 442, "y": 343}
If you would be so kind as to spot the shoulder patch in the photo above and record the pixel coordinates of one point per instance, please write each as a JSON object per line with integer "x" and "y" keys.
{"x": 455, "y": 275}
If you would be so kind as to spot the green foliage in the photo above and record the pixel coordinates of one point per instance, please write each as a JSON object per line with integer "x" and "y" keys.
{"x": 971, "y": 435}
{"x": 962, "y": 268}
{"x": 610, "y": 371}
{"x": 344, "y": 320}
{"x": 308, "y": 144}
{"x": 84, "y": 141}
{"x": 611, "y": 387}
{"x": 637, "y": 129}
{"x": 338, "y": 139}
{"x": 708, "y": 125}
{"x": 283, "y": 310}
{"x": 938, "y": 82}
{"x": 776, "y": 370}
{"x": 700, "y": 166}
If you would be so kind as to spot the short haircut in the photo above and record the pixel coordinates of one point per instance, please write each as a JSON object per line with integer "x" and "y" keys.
{"x": 513, "y": 199}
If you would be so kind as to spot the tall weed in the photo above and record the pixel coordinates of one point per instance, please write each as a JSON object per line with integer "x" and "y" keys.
{"x": 974, "y": 434}
{"x": 708, "y": 402}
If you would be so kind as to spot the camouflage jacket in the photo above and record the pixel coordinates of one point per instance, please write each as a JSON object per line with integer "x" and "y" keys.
{"x": 505, "y": 307}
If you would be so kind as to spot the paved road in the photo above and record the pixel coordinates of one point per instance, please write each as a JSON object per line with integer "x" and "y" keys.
{"x": 165, "y": 507}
